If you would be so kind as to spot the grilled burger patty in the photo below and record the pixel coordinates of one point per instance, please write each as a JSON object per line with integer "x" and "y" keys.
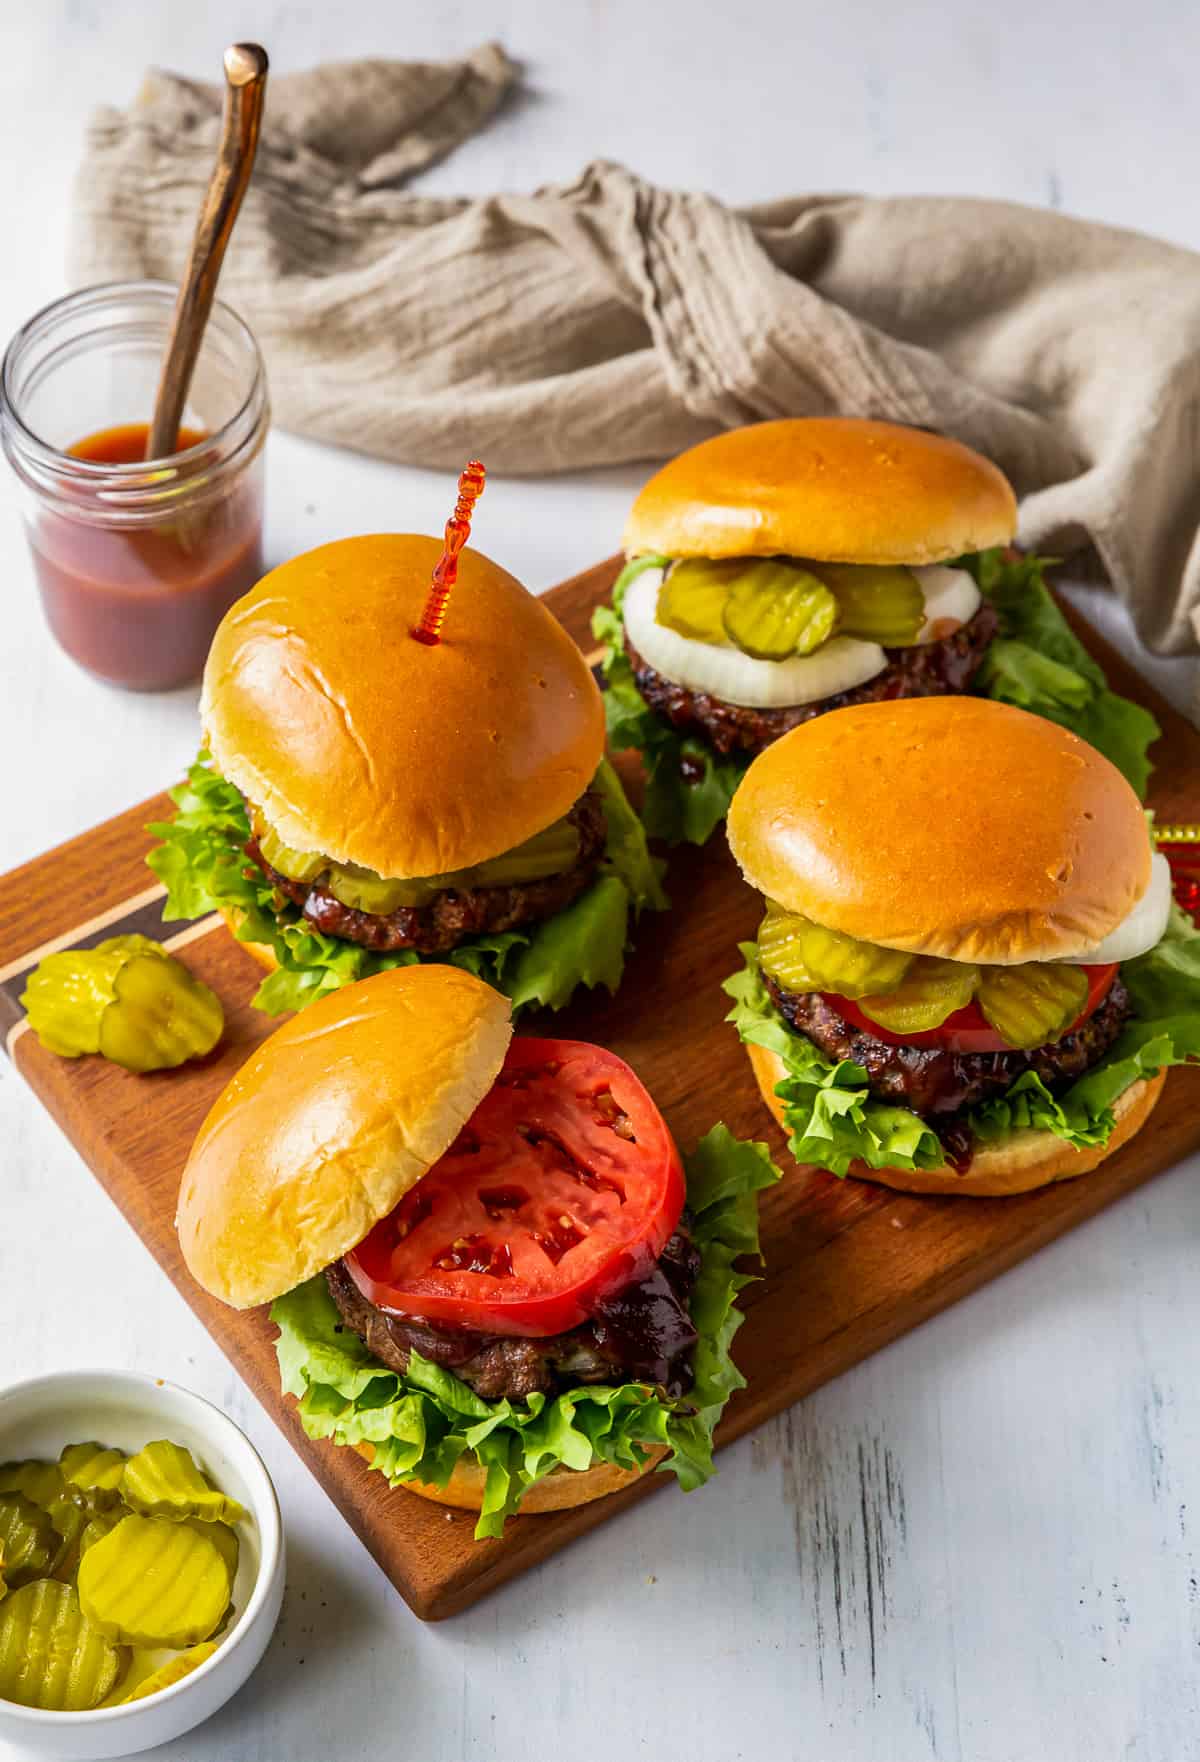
{"x": 932, "y": 669}
{"x": 938, "y": 1084}
{"x": 458, "y": 912}
{"x": 642, "y": 1333}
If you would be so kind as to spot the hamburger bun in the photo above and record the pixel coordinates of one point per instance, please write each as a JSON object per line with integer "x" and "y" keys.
{"x": 837, "y": 489}
{"x": 329, "y": 1124}
{"x": 951, "y": 826}
{"x": 363, "y": 745}
{"x": 1025, "y": 1160}
{"x": 561, "y": 1490}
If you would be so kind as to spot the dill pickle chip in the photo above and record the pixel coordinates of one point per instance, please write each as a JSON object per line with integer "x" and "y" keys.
{"x": 173, "y": 1671}
{"x": 880, "y": 603}
{"x": 51, "y": 1655}
{"x": 297, "y": 865}
{"x": 548, "y": 852}
{"x": 362, "y": 890}
{"x": 41, "y": 1482}
{"x": 101, "y": 1524}
{"x": 692, "y": 597}
{"x": 801, "y": 955}
{"x": 223, "y": 1539}
{"x": 160, "y": 1016}
{"x": 3, "y": 1575}
{"x": 776, "y": 609}
{"x": 69, "y": 1520}
{"x": 93, "y": 1472}
{"x": 67, "y": 995}
{"x": 151, "y": 1582}
{"x": 930, "y": 991}
{"x": 1033, "y": 1004}
{"x": 29, "y": 1539}
{"x": 162, "y": 1480}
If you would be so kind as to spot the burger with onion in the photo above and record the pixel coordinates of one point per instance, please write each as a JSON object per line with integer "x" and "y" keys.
{"x": 971, "y": 976}
{"x": 491, "y": 1270}
{"x": 366, "y": 800}
{"x": 790, "y": 568}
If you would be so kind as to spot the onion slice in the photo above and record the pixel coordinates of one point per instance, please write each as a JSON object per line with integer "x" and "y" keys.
{"x": 1142, "y": 928}
{"x": 951, "y": 599}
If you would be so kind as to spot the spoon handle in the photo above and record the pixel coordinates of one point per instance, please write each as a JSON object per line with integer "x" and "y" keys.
{"x": 245, "y": 86}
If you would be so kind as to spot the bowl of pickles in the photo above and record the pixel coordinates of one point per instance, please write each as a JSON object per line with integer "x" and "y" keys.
{"x": 141, "y": 1563}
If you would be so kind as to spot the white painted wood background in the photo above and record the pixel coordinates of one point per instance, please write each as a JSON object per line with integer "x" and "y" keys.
{"x": 983, "y": 1544}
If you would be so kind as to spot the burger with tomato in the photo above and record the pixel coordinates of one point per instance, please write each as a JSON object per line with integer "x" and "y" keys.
{"x": 971, "y": 976}
{"x": 789, "y": 568}
{"x": 368, "y": 800}
{"x": 491, "y": 1270}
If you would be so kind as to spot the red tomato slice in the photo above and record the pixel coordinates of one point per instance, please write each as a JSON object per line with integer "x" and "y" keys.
{"x": 968, "y": 1030}
{"x": 564, "y": 1185}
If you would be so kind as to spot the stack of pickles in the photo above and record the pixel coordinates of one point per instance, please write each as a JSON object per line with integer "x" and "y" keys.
{"x": 116, "y": 1574}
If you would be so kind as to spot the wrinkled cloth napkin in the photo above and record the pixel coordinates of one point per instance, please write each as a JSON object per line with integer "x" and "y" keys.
{"x": 609, "y": 320}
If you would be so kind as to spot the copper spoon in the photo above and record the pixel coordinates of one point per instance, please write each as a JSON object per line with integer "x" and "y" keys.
{"x": 245, "y": 87}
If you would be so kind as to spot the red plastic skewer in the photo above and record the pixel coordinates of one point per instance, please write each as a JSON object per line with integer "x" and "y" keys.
{"x": 470, "y": 487}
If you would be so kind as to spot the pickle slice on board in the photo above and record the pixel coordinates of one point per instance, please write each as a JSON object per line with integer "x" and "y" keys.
{"x": 40, "y": 1482}
{"x": 66, "y": 996}
{"x": 162, "y": 1480}
{"x": 930, "y": 991}
{"x": 51, "y": 1655}
{"x": 1033, "y": 1004}
{"x": 151, "y": 1582}
{"x": 880, "y": 603}
{"x": 801, "y": 955}
{"x": 93, "y": 1472}
{"x": 777, "y": 609}
{"x": 28, "y": 1538}
{"x": 297, "y": 865}
{"x": 692, "y": 597}
{"x": 173, "y": 1671}
{"x": 161, "y": 1015}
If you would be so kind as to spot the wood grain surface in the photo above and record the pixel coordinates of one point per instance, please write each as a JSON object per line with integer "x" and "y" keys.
{"x": 849, "y": 1266}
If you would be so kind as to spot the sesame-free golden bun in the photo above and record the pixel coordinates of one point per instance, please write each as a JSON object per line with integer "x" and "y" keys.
{"x": 329, "y": 1124}
{"x": 561, "y": 1490}
{"x": 358, "y": 742}
{"x": 839, "y": 489}
{"x": 1024, "y": 1160}
{"x": 951, "y": 826}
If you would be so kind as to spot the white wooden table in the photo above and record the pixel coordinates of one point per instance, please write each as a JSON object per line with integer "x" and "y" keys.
{"x": 985, "y": 1543}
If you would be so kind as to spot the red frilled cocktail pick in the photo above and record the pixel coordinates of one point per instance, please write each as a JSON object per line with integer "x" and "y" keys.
{"x": 1181, "y": 847}
{"x": 445, "y": 574}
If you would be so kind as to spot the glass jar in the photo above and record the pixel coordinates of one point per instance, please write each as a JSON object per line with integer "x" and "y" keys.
{"x": 137, "y": 561}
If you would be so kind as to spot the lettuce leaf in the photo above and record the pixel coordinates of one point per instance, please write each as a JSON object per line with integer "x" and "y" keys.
{"x": 202, "y": 861}
{"x": 419, "y": 1424}
{"x": 832, "y": 1118}
{"x": 688, "y": 787}
{"x": 1037, "y": 663}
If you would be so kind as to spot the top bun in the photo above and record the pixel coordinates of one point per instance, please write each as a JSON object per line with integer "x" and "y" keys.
{"x": 950, "y": 826}
{"x": 839, "y": 489}
{"x": 360, "y": 743}
{"x": 327, "y": 1126}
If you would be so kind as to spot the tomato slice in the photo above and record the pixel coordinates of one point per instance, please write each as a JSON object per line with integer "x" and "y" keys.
{"x": 564, "y": 1185}
{"x": 968, "y": 1030}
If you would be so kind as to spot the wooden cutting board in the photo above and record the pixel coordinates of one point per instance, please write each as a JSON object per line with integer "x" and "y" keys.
{"x": 849, "y": 1266}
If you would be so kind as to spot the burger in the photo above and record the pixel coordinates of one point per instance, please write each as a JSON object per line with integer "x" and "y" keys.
{"x": 970, "y": 977}
{"x": 491, "y": 1270}
{"x": 790, "y": 568}
{"x": 365, "y": 800}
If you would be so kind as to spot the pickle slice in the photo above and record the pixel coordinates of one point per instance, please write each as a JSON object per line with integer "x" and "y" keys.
{"x": 28, "y": 1538}
{"x": 297, "y": 865}
{"x": 3, "y": 1575}
{"x": 776, "y": 609}
{"x": 692, "y": 597}
{"x": 223, "y": 1539}
{"x": 161, "y": 1016}
{"x": 101, "y": 1524}
{"x": 930, "y": 991}
{"x": 51, "y": 1655}
{"x": 1033, "y": 1004}
{"x": 365, "y": 891}
{"x": 548, "y": 852}
{"x": 41, "y": 1482}
{"x": 66, "y": 997}
{"x": 93, "y": 1472}
{"x": 880, "y": 603}
{"x": 69, "y": 1520}
{"x": 804, "y": 956}
{"x": 162, "y": 1480}
{"x": 173, "y": 1671}
{"x": 151, "y": 1582}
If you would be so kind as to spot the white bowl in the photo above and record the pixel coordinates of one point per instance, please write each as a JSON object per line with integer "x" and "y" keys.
{"x": 116, "y": 1407}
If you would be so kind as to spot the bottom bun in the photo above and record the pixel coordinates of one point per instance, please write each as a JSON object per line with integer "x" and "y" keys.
{"x": 259, "y": 950}
{"x": 560, "y": 1490}
{"x": 1025, "y": 1160}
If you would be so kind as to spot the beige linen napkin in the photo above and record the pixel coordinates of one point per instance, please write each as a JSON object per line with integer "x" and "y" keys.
{"x": 610, "y": 320}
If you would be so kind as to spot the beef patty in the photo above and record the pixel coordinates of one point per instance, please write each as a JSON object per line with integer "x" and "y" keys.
{"x": 931, "y": 669}
{"x": 642, "y": 1333}
{"x": 935, "y": 1083}
{"x": 455, "y": 913}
